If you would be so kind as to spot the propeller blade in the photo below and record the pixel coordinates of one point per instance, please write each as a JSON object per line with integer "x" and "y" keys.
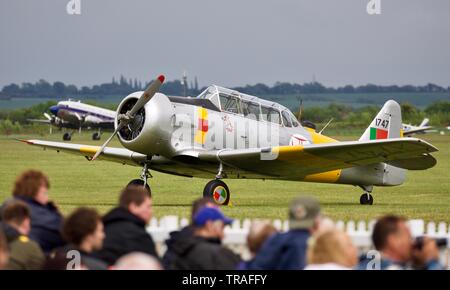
{"x": 48, "y": 116}
{"x": 100, "y": 151}
{"x": 152, "y": 89}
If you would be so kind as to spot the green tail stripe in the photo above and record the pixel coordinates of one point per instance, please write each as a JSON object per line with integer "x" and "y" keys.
{"x": 373, "y": 133}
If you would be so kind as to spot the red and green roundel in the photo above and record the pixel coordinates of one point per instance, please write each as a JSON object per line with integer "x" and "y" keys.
{"x": 376, "y": 134}
{"x": 220, "y": 194}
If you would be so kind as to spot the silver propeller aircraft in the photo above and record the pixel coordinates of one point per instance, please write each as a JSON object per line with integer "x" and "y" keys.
{"x": 227, "y": 134}
{"x": 409, "y": 130}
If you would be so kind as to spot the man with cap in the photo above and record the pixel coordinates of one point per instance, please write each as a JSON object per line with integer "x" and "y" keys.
{"x": 287, "y": 251}
{"x": 180, "y": 236}
{"x": 203, "y": 250}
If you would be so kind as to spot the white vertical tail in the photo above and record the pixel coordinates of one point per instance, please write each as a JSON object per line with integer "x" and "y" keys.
{"x": 424, "y": 122}
{"x": 387, "y": 124}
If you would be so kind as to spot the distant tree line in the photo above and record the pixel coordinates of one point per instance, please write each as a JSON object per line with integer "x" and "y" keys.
{"x": 283, "y": 88}
{"x": 123, "y": 86}
{"x": 438, "y": 113}
{"x": 344, "y": 117}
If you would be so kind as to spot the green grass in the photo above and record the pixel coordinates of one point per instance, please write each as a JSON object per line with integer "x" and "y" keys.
{"x": 76, "y": 182}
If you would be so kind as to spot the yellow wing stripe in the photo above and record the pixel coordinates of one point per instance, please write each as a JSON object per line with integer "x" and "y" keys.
{"x": 89, "y": 149}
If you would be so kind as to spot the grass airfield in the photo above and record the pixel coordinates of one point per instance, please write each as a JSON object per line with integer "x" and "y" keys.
{"x": 76, "y": 182}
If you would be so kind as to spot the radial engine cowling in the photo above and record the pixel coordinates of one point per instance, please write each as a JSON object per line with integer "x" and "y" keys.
{"x": 150, "y": 131}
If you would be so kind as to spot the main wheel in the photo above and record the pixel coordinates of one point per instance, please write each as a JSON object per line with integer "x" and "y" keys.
{"x": 96, "y": 136}
{"x": 366, "y": 200}
{"x": 218, "y": 191}
{"x": 140, "y": 182}
{"x": 67, "y": 137}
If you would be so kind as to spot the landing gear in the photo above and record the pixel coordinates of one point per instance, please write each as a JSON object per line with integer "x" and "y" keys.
{"x": 67, "y": 136}
{"x": 96, "y": 136}
{"x": 218, "y": 191}
{"x": 145, "y": 174}
{"x": 366, "y": 197}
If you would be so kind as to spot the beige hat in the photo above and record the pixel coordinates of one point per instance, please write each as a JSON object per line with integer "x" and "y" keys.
{"x": 303, "y": 211}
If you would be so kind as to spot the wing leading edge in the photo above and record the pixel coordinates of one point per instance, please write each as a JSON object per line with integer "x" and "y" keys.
{"x": 119, "y": 155}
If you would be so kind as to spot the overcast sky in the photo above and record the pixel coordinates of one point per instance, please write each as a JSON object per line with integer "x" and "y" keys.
{"x": 227, "y": 42}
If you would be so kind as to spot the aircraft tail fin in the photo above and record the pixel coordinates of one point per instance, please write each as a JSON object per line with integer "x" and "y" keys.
{"x": 386, "y": 125}
{"x": 424, "y": 122}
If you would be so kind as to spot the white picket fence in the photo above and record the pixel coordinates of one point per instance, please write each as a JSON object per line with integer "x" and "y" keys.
{"x": 236, "y": 234}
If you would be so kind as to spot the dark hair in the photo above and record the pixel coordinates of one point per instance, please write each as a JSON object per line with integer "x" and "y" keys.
{"x": 133, "y": 194}
{"x": 199, "y": 204}
{"x": 15, "y": 212}
{"x": 383, "y": 228}
{"x": 3, "y": 244}
{"x": 28, "y": 183}
{"x": 79, "y": 224}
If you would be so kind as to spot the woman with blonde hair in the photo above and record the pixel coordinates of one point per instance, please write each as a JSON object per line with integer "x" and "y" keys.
{"x": 332, "y": 250}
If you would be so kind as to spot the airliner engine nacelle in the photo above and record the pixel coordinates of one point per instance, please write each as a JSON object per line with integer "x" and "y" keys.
{"x": 150, "y": 131}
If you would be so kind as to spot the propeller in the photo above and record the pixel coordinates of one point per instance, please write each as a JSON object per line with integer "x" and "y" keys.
{"x": 48, "y": 116}
{"x": 125, "y": 119}
{"x": 50, "y": 130}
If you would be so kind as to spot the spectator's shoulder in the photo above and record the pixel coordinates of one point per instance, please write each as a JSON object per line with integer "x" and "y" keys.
{"x": 24, "y": 239}
{"x": 28, "y": 243}
{"x": 434, "y": 265}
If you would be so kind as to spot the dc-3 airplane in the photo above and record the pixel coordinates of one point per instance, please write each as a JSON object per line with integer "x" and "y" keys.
{"x": 226, "y": 134}
{"x": 77, "y": 115}
{"x": 409, "y": 130}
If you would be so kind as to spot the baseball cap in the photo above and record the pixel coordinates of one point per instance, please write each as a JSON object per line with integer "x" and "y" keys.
{"x": 210, "y": 214}
{"x": 302, "y": 212}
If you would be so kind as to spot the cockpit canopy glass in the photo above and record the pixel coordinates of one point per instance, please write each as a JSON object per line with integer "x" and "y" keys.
{"x": 249, "y": 106}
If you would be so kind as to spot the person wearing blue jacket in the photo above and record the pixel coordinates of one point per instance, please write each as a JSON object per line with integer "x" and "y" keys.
{"x": 287, "y": 251}
{"x": 32, "y": 187}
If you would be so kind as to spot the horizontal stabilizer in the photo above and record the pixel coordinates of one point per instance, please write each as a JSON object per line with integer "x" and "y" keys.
{"x": 421, "y": 162}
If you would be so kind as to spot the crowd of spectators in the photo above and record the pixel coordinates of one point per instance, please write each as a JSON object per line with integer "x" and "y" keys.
{"x": 35, "y": 235}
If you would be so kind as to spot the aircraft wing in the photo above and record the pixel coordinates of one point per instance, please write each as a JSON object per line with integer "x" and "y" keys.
{"x": 416, "y": 130}
{"x": 39, "y": 121}
{"x": 287, "y": 162}
{"x": 120, "y": 155}
{"x": 295, "y": 161}
{"x": 103, "y": 125}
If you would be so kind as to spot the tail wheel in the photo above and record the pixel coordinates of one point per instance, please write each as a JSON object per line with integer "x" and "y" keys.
{"x": 96, "y": 136}
{"x": 218, "y": 191}
{"x": 140, "y": 182}
{"x": 366, "y": 199}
